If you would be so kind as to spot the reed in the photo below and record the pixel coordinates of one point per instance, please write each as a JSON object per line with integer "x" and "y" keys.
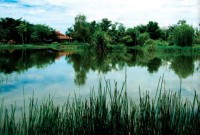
{"x": 106, "y": 112}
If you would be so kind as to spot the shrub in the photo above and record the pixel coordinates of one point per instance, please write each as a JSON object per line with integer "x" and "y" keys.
{"x": 127, "y": 40}
{"x": 161, "y": 43}
{"x": 149, "y": 42}
{"x": 196, "y": 39}
{"x": 101, "y": 40}
{"x": 143, "y": 37}
{"x": 170, "y": 39}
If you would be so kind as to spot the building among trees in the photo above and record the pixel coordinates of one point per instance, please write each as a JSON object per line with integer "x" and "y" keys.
{"x": 62, "y": 37}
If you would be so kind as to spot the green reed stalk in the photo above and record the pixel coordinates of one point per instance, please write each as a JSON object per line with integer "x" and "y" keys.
{"x": 107, "y": 112}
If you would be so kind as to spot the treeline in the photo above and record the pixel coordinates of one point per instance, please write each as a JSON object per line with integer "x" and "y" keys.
{"x": 20, "y": 31}
{"x": 105, "y": 32}
{"x": 100, "y": 34}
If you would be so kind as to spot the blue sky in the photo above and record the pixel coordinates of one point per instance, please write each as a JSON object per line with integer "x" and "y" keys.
{"x": 60, "y": 14}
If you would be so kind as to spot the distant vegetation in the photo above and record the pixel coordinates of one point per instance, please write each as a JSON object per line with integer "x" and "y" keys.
{"x": 183, "y": 34}
{"x": 20, "y": 31}
{"x": 101, "y": 34}
{"x": 105, "y": 32}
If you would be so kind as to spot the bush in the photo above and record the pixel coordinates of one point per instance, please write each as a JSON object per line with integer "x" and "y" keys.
{"x": 149, "y": 42}
{"x": 143, "y": 37}
{"x": 170, "y": 39}
{"x": 161, "y": 43}
{"x": 127, "y": 40}
{"x": 101, "y": 40}
{"x": 196, "y": 39}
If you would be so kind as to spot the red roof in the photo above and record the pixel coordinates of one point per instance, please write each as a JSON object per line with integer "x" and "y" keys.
{"x": 62, "y": 36}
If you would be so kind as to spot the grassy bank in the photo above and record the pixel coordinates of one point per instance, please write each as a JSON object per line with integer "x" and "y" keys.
{"x": 54, "y": 46}
{"x": 173, "y": 50}
{"x": 68, "y": 46}
{"x": 106, "y": 113}
{"x": 58, "y": 46}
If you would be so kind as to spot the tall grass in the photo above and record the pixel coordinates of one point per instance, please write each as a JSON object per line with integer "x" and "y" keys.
{"x": 106, "y": 112}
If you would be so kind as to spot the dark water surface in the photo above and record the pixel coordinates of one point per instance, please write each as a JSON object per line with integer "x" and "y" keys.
{"x": 61, "y": 74}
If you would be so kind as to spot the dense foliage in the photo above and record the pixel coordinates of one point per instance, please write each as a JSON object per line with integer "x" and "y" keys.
{"x": 183, "y": 35}
{"x": 116, "y": 33}
{"x": 20, "y": 31}
{"x": 99, "y": 34}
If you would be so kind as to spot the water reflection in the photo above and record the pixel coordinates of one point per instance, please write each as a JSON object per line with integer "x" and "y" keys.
{"x": 22, "y": 60}
{"x": 153, "y": 65}
{"x": 183, "y": 66}
{"x": 84, "y": 62}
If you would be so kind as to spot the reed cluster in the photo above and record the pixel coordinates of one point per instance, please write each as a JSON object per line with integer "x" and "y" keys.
{"x": 106, "y": 112}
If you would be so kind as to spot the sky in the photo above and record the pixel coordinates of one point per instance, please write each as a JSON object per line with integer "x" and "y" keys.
{"x": 60, "y": 14}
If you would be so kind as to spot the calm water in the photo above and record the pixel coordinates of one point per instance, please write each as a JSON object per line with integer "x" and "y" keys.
{"x": 61, "y": 74}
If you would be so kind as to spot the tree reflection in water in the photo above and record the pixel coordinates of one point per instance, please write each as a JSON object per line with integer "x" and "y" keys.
{"x": 183, "y": 66}
{"x": 83, "y": 62}
{"x": 22, "y": 60}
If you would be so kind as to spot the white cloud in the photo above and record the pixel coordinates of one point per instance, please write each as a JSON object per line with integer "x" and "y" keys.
{"x": 60, "y": 14}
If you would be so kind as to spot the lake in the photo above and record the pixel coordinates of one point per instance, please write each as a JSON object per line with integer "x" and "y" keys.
{"x": 61, "y": 74}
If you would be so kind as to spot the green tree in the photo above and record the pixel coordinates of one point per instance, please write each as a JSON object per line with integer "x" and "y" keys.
{"x": 153, "y": 30}
{"x": 101, "y": 40}
{"x": 164, "y": 34}
{"x": 113, "y": 33}
{"x": 22, "y": 30}
{"x": 69, "y": 31}
{"x": 181, "y": 22}
{"x": 196, "y": 38}
{"x": 141, "y": 28}
{"x": 170, "y": 34}
{"x": 121, "y": 28}
{"x": 40, "y": 32}
{"x": 127, "y": 40}
{"x": 133, "y": 34}
{"x": 105, "y": 24}
{"x": 121, "y": 32}
{"x": 81, "y": 31}
{"x": 183, "y": 35}
{"x": 8, "y": 29}
{"x": 93, "y": 26}
{"x": 143, "y": 38}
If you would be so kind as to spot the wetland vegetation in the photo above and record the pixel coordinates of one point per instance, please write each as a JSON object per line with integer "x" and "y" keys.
{"x": 100, "y": 35}
{"x": 104, "y": 48}
{"x": 106, "y": 111}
